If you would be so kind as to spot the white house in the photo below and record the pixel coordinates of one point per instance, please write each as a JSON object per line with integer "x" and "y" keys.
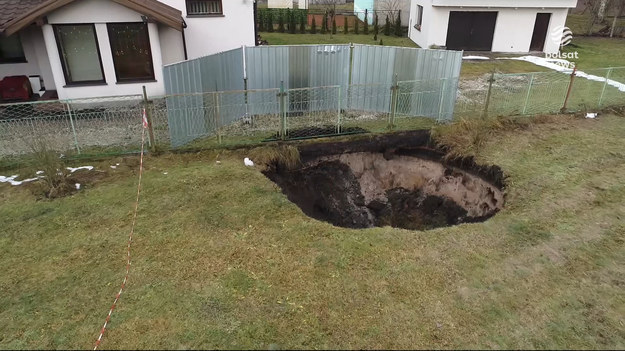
{"x": 287, "y": 4}
{"x": 383, "y": 8}
{"x": 88, "y": 48}
{"x": 489, "y": 25}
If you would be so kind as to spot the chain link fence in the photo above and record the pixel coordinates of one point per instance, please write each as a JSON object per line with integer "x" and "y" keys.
{"x": 112, "y": 125}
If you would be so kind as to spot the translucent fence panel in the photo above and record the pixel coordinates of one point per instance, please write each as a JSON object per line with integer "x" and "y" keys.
{"x": 597, "y": 88}
{"x": 200, "y": 120}
{"x": 526, "y": 94}
{"x": 313, "y": 112}
{"x": 427, "y": 98}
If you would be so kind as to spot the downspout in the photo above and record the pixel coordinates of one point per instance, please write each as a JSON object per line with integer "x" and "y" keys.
{"x": 184, "y": 40}
{"x": 256, "y": 23}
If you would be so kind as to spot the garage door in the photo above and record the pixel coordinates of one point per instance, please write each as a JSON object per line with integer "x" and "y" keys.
{"x": 471, "y": 30}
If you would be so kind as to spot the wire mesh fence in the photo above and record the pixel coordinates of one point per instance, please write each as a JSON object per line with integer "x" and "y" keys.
{"x": 203, "y": 120}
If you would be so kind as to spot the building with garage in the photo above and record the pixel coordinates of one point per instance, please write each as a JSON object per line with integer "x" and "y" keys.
{"x": 489, "y": 25}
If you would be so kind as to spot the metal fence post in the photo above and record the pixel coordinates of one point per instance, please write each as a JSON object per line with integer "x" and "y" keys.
{"x": 71, "y": 122}
{"x": 527, "y": 97}
{"x": 394, "y": 93}
{"x": 491, "y": 80}
{"x": 148, "y": 115}
{"x": 441, "y": 100}
{"x": 568, "y": 92}
{"x": 338, "y": 122}
{"x": 605, "y": 85}
{"x": 282, "y": 101}
{"x": 218, "y": 122}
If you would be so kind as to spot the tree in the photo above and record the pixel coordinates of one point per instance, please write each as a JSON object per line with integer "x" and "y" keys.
{"x": 270, "y": 21}
{"x": 366, "y": 25}
{"x": 391, "y": 7}
{"x": 356, "y": 29}
{"x": 292, "y": 23}
{"x": 324, "y": 24}
{"x": 387, "y": 27}
{"x": 261, "y": 21}
{"x": 329, "y": 7}
{"x": 398, "y": 24}
{"x": 381, "y": 42}
{"x": 376, "y": 28}
{"x": 302, "y": 23}
{"x": 313, "y": 26}
{"x": 345, "y": 26}
{"x": 281, "y": 21}
{"x": 334, "y": 26}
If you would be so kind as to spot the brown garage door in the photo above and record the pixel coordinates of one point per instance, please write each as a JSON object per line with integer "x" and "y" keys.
{"x": 471, "y": 30}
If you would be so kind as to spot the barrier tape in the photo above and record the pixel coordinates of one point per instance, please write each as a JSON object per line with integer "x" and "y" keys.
{"x": 132, "y": 231}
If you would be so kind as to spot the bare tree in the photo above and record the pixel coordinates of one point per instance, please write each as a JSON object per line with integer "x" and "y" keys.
{"x": 390, "y": 8}
{"x": 329, "y": 6}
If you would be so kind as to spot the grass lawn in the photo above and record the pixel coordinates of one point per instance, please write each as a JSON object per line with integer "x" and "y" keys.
{"x": 221, "y": 259}
{"x": 598, "y": 52}
{"x": 276, "y": 38}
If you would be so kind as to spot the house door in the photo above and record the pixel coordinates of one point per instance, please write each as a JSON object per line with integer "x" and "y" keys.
{"x": 540, "y": 32}
{"x": 471, "y": 30}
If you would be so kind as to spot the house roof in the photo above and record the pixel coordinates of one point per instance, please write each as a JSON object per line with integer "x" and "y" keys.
{"x": 17, "y": 14}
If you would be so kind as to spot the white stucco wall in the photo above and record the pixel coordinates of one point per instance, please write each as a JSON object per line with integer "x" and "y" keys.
{"x": 212, "y": 34}
{"x": 513, "y": 30}
{"x": 286, "y": 4}
{"x": 171, "y": 44}
{"x": 101, "y": 12}
{"x": 36, "y": 56}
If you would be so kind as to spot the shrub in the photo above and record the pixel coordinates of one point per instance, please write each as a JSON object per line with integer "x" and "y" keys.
{"x": 381, "y": 42}
{"x": 345, "y": 26}
{"x": 324, "y": 24}
{"x": 269, "y": 21}
{"x": 376, "y": 28}
{"x": 387, "y": 27}
{"x": 356, "y": 29}
{"x": 261, "y": 21}
{"x": 55, "y": 182}
{"x": 366, "y": 24}
{"x": 333, "y": 25}
{"x": 302, "y": 23}
{"x": 313, "y": 26}
{"x": 281, "y": 22}
{"x": 292, "y": 23}
{"x": 398, "y": 24}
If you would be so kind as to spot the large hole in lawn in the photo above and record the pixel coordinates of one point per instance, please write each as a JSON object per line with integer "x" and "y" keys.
{"x": 399, "y": 180}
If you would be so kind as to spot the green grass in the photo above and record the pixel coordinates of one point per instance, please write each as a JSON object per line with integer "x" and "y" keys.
{"x": 221, "y": 259}
{"x": 578, "y": 23}
{"x": 595, "y": 52}
{"x": 339, "y": 38}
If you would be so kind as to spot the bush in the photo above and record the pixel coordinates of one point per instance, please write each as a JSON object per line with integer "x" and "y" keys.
{"x": 269, "y": 21}
{"x": 376, "y": 28}
{"x": 366, "y": 24}
{"x": 345, "y": 26}
{"x": 398, "y": 31}
{"x": 333, "y": 25}
{"x": 302, "y": 24}
{"x": 356, "y": 29}
{"x": 387, "y": 27}
{"x": 324, "y": 24}
{"x": 381, "y": 42}
{"x": 55, "y": 182}
{"x": 292, "y": 23}
{"x": 313, "y": 26}
{"x": 281, "y": 22}
{"x": 261, "y": 21}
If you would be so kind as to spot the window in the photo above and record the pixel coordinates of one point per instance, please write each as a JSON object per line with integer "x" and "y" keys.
{"x": 132, "y": 55}
{"x": 204, "y": 7}
{"x": 11, "y": 49}
{"x": 419, "y": 18}
{"x": 80, "y": 54}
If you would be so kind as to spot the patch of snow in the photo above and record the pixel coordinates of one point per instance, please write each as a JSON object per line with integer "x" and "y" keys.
{"x": 165, "y": 173}
{"x": 11, "y": 180}
{"x": 248, "y": 162}
{"x": 591, "y": 115}
{"x": 113, "y": 167}
{"x": 77, "y": 186}
{"x": 39, "y": 172}
{"x": 218, "y": 162}
{"x": 475, "y": 58}
{"x": 72, "y": 170}
{"x": 559, "y": 65}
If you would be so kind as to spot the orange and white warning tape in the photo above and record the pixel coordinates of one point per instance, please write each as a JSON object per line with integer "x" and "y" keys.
{"x": 132, "y": 231}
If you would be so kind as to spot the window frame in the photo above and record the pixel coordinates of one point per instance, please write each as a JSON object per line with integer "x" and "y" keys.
{"x": 68, "y": 82}
{"x": 14, "y": 60}
{"x": 131, "y": 80}
{"x": 419, "y": 23}
{"x": 221, "y": 6}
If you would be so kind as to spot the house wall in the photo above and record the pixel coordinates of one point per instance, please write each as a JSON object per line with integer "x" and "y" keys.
{"x": 513, "y": 30}
{"x": 287, "y": 4}
{"x": 209, "y": 35}
{"x": 101, "y": 12}
{"x": 171, "y": 44}
{"x": 36, "y": 56}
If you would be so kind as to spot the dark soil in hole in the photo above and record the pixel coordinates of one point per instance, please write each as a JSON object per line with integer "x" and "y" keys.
{"x": 400, "y": 180}
{"x": 316, "y": 132}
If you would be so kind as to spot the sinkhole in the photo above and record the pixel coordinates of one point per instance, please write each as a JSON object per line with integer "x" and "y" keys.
{"x": 401, "y": 180}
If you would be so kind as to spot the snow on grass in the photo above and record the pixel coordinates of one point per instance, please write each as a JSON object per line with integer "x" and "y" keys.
{"x": 475, "y": 58}
{"x": 561, "y": 65}
{"x": 72, "y": 170}
{"x": 12, "y": 180}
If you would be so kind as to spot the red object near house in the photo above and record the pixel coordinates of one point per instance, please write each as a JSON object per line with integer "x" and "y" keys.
{"x": 15, "y": 88}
